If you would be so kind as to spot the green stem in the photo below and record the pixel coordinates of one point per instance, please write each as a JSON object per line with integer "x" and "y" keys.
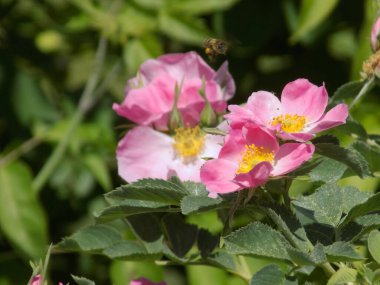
{"x": 328, "y": 269}
{"x": 23, "y": 148}
{"x": 366, "y": 88}
{"x": 84, "y": 105}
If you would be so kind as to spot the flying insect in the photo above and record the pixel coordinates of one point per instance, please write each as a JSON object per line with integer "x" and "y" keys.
{"x": 215, "y": 47}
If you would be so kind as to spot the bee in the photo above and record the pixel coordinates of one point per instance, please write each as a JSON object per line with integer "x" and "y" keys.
{"x": 215, "y": 47}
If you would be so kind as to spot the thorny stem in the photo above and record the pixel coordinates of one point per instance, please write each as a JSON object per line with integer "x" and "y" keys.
{"x": 84, "y": 106}
{"x": 367, "y": 87}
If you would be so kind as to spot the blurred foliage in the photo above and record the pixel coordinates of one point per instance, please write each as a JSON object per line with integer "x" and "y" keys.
{"x": 47, "y": 59}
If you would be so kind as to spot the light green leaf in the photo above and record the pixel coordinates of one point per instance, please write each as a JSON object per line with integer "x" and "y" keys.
{"x": 99, "y": 169}
{"x": 22, "y": 219}
{"x": 257, "y": 239}
{"x": 182, "y": 28}
{"x": 349, "y": 157}
{"x": 206, "y": 275}
{"x": 195, "y": 189}
{"x": 92, "y": 238}
{"x": 192, "y": 204}
{"x": 340, "y": 252}
{"x": 268, "y": 275}
{"x": 223, "y": 260}
{"x": 326, "y": 202}
{"x": 343, "y": 276}
{"x": 312, "y": 14}
{"x": 328, "y": 171}
{"x": 318, "y": 254}
{"x": 373, "y": 245}
{"x": 82, "y": 280}
{"x": 196, "y": 7}
{"x": 130, "y": 250}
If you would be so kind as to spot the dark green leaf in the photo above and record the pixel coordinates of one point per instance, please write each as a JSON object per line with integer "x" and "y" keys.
{"x": 373, "y": 245}
{"x": 352, "y": 197}
{"x": 268, "y": 275}
{"x": 206, "y": 242}
{"x": 92, "y": 238}
{"x": 349, "y": 157}
{"x": 145, "y": 226}
{"x": 340, "y": 252}
{"x": 130, "y": 250}
{"x": 192, "y": 204}
{"x": 22, "y": 219}
{"x": 328, "y": 171}
{"x": 223, "y": 260}
{"x": 82, "y": 280}
{"x": 299, "y": 257}
{"x": 181, "y": 236}
{"x": 326, "y": 202}
{"x": 318, "y": 254}
{"x": 257, "y": 239}
{"x": 352, "y": 127}
{"x": 371, "y": 154}
{"x": 348, "y": 90}
{"x": 330, "y": 139}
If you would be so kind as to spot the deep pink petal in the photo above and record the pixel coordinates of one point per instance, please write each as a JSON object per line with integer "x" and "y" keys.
{"x": 335, "y": 117}
{"x": 304, "y": 98}
{"x": 234, "y": 145}
{"x": 144, "y": 153}
{"x": 256, "y": 177}
{"x": 299, "y": 137}
{"x": 218, "y": 174}
{"x": 143, "y": 281}
{"x": 291, "y": 156}
{"x": 36, "y": 280}
{"x": 260, "y": 137}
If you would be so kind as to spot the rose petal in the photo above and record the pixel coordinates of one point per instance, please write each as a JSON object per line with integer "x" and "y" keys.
{"x": 217, "y": 176}
{"x": 299, "y": 137}
{"x": 144, "y": 153}
{"x": 335, "y": 117}
{"x": 264, "y": 106}
{"x": 304, "y": 98}
{"x": 290, "y": 156}
{"x": 224, "y": 79}
{"x": 260, "y": 137}
{"x": 143, "y": 281}
{"x": 256, "y": 177}
{"x": 234, "y": 145}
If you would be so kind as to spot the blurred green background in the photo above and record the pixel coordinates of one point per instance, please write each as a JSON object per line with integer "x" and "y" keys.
{"x": 58, "y": 81}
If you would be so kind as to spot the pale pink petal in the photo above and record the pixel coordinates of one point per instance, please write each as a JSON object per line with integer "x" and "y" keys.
{"x": 144, "y": 153}
{"x": 260, "y": 137}
{"x": 335, "y": 117}
{"x": 256, "y": 177}
{"x": 225, "y": 80}
{"x": 213, "y": 145}
{"x": 375, "y": 35}
{"x": 186, "y": 170}
{"x": 264, "y": 106}
{"x": 218, "y": 174}
{"x": 143, "y": 281}
{"x": 304, "y": 98}
{"x": 299, "y": 137}
{"x": 290, "y": 156}
{"x": 238, "y": 114}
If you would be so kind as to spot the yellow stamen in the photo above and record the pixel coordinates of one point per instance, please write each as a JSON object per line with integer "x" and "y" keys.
{"x": 189, "y": 142}
{"x": 290, "y": 123}
{"x": 252, "y": 156}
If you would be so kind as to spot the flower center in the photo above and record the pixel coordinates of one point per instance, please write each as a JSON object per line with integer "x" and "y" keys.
{"x": 290, "y": 123}
{"x": 189, "y": 142}
{"x": 252, "y": 156}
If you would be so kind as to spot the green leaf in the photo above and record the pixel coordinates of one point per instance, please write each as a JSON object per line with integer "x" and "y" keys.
{"x": 192, "y": 204}
{"x": 312, "y": 14}
{"x": 340, "y": 252}
{"x": 330, "y": 139}
{"x": 373, "y": 245}
{"x": 257, "y": 239}
{"x": 181, "y": 236}
{"x": 353, "y": 128}
{"x": 206, "y": 242}
{"x": 371, "y": 204}
{"x": 82, "y": 280}
{"x": 130, "y": 250}
{"x": 92, "y": 238}
{"x": 349, "y": 157}
{"x": 206, "y": 275}
{"x": 268, "y": 275}
{"x": 328, "y": 171}
{"x": 223, "y": 260}
{"x": 370, "y": 153}
{"x": 348, "y": 90}
{"x": 368, "y": 220}
{"x": 197, "y": 7}
{"x": 195, "y": 189}
{"x": 182, "y": 28}
{"x": 326, "y": 202}
{"x": 352, "y": 197}
{"x": 22, "y": 219}
{"x": 343, "y": 276}
{"x": 146, "y": 227}
{"x": 131, "y": 207}
{"x": 99, "y": 169}
{"x": 318, "y": 254}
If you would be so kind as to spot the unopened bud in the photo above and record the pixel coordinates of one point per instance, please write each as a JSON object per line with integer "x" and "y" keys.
{"x": 375, "y": 35}
{"x": 176, "y": 120}
{"x": 208, "y": 116}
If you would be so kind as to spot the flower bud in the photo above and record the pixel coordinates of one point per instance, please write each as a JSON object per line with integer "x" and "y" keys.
{"x": 176, "y": 120}
{"x": 208, "y": 116}
{"x": 375, "y": 35}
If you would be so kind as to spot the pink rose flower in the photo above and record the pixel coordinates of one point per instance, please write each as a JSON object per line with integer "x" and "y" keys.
{"x": 298, "y": 116}
{"x": 143, "y": 281}
{"x": 375, "y": 44}
{"x": 248, "y": 158}
{"x": 146, "y": 153}
{"x": 150, "y": 95}
{"x": 37, "y": 280}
